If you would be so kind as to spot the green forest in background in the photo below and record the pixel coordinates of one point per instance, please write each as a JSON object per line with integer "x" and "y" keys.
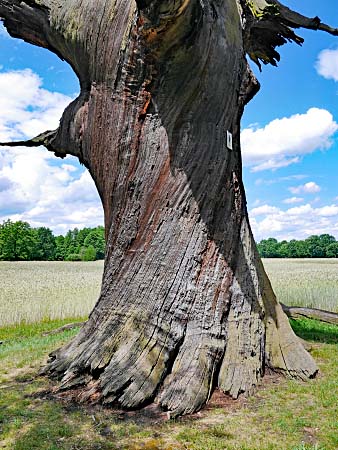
{"x": 323, "y": 246}
{"x": 21, "y": 242}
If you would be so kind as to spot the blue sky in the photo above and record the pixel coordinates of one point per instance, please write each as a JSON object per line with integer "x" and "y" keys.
{"x": 289, "y": 139}
{"x": 296, "y": 87}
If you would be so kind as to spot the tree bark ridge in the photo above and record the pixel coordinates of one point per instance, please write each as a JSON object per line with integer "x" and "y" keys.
{"x": 185, "y": 303}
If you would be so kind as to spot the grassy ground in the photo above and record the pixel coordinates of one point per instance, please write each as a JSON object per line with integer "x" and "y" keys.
{"x": 305, "y": 282}
{"x": 283, "y": 414}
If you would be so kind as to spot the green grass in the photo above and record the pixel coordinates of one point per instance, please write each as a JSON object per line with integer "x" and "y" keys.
{"x": 315, "y": 331}
{"x": 283, "y": 414}
{"x": 311, "y": 282}
{"x": 24, "y": 345}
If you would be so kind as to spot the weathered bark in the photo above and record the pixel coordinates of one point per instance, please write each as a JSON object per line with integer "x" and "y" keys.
{"x": 297, "y": 312}
{"x": 185, "y": 303}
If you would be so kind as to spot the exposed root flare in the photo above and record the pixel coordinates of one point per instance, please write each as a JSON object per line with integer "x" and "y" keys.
{"x": 182, "y": 379}
{"x": 242, "y": 366}
{"x": 226, "y": 340}
{"x": 190, "y": 384}
{"x": 179, "y": 371}
{"x": 135, "y": 372}
{"x": 284, "y": 350}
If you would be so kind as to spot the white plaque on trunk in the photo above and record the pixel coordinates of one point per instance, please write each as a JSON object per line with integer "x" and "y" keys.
{"x": 229, "y": 140}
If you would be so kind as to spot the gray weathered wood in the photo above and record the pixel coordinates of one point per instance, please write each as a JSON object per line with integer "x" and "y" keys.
{"x": 185, "y": 303}
{"x": 297, "y": 312}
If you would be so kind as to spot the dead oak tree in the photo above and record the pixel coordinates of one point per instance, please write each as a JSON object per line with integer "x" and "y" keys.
{"x": 185, "y": 304}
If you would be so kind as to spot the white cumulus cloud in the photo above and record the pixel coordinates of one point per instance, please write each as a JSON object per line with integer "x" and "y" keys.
{"x": 262, "y": 210}
{"x": 26, "y": 108}
{"x": 284, "y": 141}
{"x": 292, "y": 200}
{"x": 293, "y": 223}
{"x": 327, "y": 64}
{"x": 35, "y": 186}
{"x": 308, "y": 188}
{"x": 328, "y": 211}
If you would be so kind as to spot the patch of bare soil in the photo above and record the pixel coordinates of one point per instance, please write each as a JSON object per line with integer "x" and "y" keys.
{"x": 310, "y": 435}
{"x": 152, "y": 413}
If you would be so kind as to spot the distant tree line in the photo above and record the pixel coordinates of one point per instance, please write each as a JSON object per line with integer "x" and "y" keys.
{"x": 323, "y": 246}
{"x": 20, "y": 242}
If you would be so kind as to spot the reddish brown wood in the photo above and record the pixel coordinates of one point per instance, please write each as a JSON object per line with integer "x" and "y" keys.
{"x": 185, "y": 304}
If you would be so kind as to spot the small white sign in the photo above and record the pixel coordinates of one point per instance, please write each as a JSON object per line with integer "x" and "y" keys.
{"x": 229, "y": 140}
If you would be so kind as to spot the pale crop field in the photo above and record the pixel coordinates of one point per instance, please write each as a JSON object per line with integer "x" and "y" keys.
{"x": 36, "y": 291}
{"x": 305, "y": 282}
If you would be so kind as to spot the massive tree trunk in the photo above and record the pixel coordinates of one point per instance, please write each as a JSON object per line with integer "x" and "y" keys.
{"x": 185, "y": 304}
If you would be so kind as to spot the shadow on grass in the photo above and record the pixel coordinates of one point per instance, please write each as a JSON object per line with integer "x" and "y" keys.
{"x": 313, "y": 330}
{"x": 30, "y": 422}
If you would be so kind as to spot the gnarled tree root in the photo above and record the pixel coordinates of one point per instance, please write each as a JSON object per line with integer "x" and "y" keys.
{"x": 137, "y": 358}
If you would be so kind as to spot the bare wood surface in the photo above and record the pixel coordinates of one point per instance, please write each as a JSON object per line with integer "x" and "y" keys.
{"x": 297, "y": 312}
